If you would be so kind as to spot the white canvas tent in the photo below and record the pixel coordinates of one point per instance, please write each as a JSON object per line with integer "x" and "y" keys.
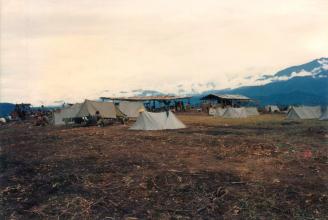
{"x": 87, "y": 108}
{"x": 106, "y": 109}
{"x": 66, "y": 113}
{"x": 235, "y": 113}
{"x": 131, "y": 109}
{"x": 219, "y": 112}
{"x": 157, "y": 121}
{"x": 252, "y": 111}
{"x": 305, "y": 112}
{"x": 272, "y": 108}
{"x": 3, "y": 121}
{"x": 212, "y": 111}
{"x": 324, "y": 115}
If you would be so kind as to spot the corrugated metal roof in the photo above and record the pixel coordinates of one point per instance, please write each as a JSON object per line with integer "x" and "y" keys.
{"x": 227, "y": 96}
{"x": 147, "y": 98}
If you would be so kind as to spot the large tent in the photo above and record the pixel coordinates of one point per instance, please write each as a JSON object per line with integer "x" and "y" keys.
{"x": 87, "y": 108}
{"x": 235, "y": 113}
{"x": 157, "y": 121}
{"x": 61, "y": 116}
{"x": 324, "y": 115}
{"x": 272, "y": 108}
{"x": 105, "y": 109}
{"x": 131, "y": 109}
{"x": 252, "y": 111}
{"x": 305, "y": 112}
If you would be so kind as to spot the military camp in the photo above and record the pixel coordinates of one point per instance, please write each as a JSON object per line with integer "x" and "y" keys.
{"x": 117, "y": 150}
{"x": 163, "y": 110}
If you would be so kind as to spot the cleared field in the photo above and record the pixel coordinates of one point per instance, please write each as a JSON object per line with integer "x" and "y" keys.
{"x": 215, "y": 121}
{"x": 257, "y": 168}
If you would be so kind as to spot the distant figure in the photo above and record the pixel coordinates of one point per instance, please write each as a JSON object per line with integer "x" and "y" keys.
{"x": 188, "y": 106}
{"x": 41, "y": 120}
{"x": 98, "y": 116}
{"x": 183, "y": 106}
{"x": 179, "y": 106}
{"x": 167, "y": 112}
{"x": 99, "y": 119}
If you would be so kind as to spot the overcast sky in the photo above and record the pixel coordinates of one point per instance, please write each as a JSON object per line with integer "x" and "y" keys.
{"x": 74, "y": 49}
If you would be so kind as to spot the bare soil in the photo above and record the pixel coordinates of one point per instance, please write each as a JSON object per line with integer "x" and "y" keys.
{"x": 258, "y": 168}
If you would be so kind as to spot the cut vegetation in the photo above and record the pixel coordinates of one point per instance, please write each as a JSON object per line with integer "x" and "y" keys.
{"x": 261, "y": 167}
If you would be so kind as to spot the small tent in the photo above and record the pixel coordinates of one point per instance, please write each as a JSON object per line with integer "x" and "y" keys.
{"x": 61, "y": 116}
{"x": 252, "y": 111}
{"x": 219, "y": 112}
{"x": 324, "y": 115}
{"x": 235, "y": 113}
{"x": 131, "y": 109}
{"x": 272, "y": 108}
{"x": 305, "y": 112}
{"x": 212, "y": 111}
{"x": 157, "y": 121}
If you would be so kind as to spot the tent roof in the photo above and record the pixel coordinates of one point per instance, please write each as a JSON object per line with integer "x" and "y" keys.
{"x": 305, "y": 112}
{"x": 235, "y": 113}
{"x": 131, "y": 109}
{"x": 157, "y": 121}
{"x": 68, "y": 112}
{"x": 87, "y": 108}
{"x": 219, "y": 111}
{"x": 106, "y": 109}
{"x": 252, "y": 111}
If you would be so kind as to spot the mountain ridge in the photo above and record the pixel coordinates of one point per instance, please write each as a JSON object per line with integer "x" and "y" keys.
{"x": 305, "y": 84}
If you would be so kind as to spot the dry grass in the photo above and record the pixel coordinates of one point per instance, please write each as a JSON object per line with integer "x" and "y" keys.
{"x": 215, "y": 121}
{"x": 258, "y": 168}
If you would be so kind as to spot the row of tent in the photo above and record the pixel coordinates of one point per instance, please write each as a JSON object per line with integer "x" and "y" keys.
{"x": 166, "y": 120}
{"x": 105, "y": 109}
{"x": 243, "y": 112}
{"x": 145, "y": 120}
{"x": 294, "y": 113}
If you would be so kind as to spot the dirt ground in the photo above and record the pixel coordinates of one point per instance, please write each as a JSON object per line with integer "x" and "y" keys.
{"x": 257, "y": 168}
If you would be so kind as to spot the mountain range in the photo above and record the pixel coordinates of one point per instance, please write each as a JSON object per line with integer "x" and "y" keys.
{"x": 305, "y": 84}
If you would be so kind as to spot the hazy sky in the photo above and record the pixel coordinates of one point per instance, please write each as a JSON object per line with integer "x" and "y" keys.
{"x": 74, "y": 49}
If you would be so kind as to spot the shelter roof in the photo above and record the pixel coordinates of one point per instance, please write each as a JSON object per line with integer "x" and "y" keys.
{"x": 226, "y": 96}
{"x": 147, "y": 98}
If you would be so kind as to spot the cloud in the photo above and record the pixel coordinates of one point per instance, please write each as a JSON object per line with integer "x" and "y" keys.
{"x": 70, "y": 50}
